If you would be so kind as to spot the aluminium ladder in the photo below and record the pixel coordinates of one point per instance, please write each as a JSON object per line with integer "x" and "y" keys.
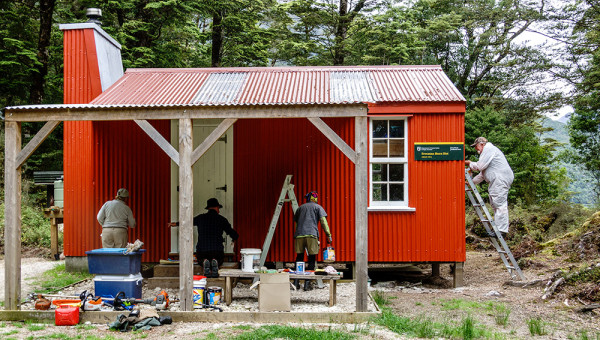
{"x": 490, "y": 227}
{"x": 286, "y": 190}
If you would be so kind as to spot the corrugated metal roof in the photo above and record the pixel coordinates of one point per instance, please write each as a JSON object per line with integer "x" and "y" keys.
{"x": 281, "y": 85}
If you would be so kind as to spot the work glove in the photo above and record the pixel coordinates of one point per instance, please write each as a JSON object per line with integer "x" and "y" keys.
{"x": 329, "y": 240}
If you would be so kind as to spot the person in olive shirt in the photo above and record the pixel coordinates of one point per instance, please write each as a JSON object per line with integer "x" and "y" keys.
{"x": 115, "y": 217}
{"x": 209, "y": 248}
{"x": 306, "y": 236}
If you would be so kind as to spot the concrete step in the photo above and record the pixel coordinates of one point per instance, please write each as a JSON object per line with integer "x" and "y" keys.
{"x": 173, "y": 282}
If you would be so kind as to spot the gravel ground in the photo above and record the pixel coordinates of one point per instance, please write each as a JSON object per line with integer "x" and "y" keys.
{"x": 30, "y": 269}
{"x": 246, "y": 299}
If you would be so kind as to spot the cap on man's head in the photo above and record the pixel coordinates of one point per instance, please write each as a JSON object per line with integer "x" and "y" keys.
{"x": 311, "y": 195}
{"x": 123, "y": 193}
{"x": 479, "y": 140}
{"x": 213, "y": 203}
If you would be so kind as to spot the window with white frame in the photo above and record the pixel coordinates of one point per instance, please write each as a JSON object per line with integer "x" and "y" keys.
{"x": 388, "y": 162}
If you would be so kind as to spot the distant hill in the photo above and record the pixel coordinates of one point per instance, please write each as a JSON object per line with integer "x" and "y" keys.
{"x": 580, "y": 179}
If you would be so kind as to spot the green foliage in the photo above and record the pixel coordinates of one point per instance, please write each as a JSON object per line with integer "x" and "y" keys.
{"x": 380, "y": 298}
{"x": 35, "y": 229}
{"x": 57, "y": 278}
{"x": 287, "y": 332}
{"x": 536, "y": 179}
{"x": 501, "y": 314}
{"x": 422, "y": 327}
{"x": 536, "y": 326}
{"x": 579, "y": 276}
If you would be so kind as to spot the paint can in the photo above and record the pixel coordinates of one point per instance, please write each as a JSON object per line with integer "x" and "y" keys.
{"x": 213, "y": 295}
{"x": 300, "y": 267}
{"x": 250, "y": 259}
{"x": 328, "y": 254}
{"x": 198, "y": 288}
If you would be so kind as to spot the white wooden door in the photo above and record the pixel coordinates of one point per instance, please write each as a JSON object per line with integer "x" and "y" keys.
{"x": 213, "y": 174}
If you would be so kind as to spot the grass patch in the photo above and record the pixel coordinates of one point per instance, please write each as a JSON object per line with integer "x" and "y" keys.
{"x": 287, "y": 332}
{"x": 422, "y": 327}
{"x": 57, "y": 278}
{"x": 33, "y": 328}
{"x": 84, "y": 327}
{"x": 536, "y": 326}
{"x": 242, "y": 327}
{"x": 380, "y": 298}
{"x": 501, "y": 314}
{"x": 461, "y": 304}
{"x": 14, "y": 331}
{"x": 583, "y": 335}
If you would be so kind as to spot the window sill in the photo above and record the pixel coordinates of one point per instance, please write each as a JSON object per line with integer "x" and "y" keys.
{"x": 384, "y": 208}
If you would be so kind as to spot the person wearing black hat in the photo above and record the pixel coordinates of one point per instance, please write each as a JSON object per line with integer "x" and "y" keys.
{"x": 211, "y": 226}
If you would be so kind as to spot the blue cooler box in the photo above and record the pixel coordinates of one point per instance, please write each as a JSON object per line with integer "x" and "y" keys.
{"x": 111, "y": 285}
{"x": 113, "y": 261}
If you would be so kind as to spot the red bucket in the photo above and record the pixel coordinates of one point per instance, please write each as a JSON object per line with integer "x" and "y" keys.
{"x": 66, "y": 316}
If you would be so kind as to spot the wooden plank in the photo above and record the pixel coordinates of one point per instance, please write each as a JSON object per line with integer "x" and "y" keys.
{"x": 211, "y": 139}
{"x": 459, "y": 280}
{"x": 35, "y": 142}
{"x": 228, "y": 290}
{"x": 159, "y": 140}
{"x": 12, "y": 217}
{"x": 102, "y": 317}
{"x": 435, "y": 269}
{"x": 334, "y": 138}
{"x": 105, "y": 113}
{"x": 332, "y": 292}
{"x": 186, "y": 211}
{"x": 54, "y": 237}
{"x": 362, "y": 235}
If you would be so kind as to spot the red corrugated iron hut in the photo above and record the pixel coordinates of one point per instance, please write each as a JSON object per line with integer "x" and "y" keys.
{"x": 383, "y": 146}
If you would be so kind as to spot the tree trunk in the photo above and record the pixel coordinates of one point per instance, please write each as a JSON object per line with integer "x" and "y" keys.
{"x": 340, "y": 34}
{"x": 341, "y": 30}
{"x": 38, "y": 81}
{"x": 217, "y": 39}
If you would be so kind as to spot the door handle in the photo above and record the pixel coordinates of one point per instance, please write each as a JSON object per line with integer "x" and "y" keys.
{"x": 224, "y": 188}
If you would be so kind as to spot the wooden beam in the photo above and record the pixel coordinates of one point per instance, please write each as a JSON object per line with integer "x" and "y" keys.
{"x": 186, "y": 215}
{"x": 107, "y": 112}
{"x": 12, "y": 217}
{"x": 334, "y": 138}
{"x": 35, "y": 142}
{"x": 212, "y": 139}
{"x": 159, "y": 140}
{"x": 361, "y": 193}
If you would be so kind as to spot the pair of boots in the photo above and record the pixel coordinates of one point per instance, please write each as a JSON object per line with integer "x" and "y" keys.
{"x": 307, "y": 284}
{"x": 211, "y": 268}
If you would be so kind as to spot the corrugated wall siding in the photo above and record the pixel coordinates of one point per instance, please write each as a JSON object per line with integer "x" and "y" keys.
{"x": 101, "y": 157}
{"x": 81, "y": 85}
{"x": 436, "y": 230}
{"x": 265, "y": 152}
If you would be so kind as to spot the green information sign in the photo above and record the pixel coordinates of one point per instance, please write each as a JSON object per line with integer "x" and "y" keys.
{"x": 439, "y": 151}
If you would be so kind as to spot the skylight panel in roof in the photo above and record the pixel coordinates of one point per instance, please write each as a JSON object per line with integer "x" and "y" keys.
{"x": 220, "y": 88}
{"x": 352, "y": 87}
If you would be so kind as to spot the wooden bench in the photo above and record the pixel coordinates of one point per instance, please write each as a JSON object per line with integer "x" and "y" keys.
{"x": 238, "y": 273}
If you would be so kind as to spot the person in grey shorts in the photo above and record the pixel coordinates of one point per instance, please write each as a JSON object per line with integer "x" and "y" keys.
{"x": 115, "y": 217}
{"x": 306, "y": 236}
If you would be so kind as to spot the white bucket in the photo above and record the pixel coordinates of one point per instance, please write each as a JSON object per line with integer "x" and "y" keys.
{"x": 250, "y": 257}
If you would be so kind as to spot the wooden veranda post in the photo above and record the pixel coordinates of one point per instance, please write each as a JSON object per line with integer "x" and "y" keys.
{"x": 361, "y": 173}
{"x": 186, "y": 214}
{"x": 12, "y": 215}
